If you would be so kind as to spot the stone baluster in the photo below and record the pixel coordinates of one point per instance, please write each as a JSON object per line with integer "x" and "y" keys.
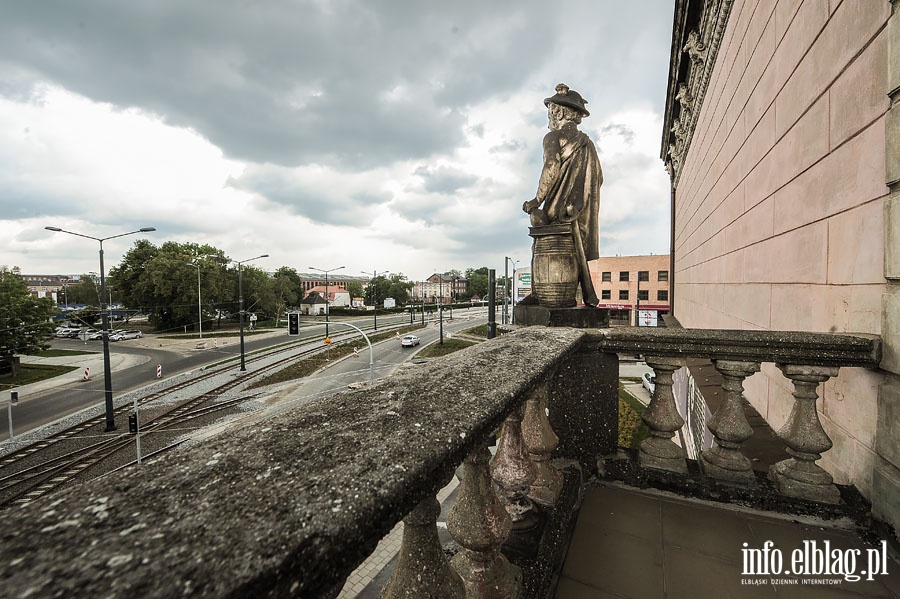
{"x": 422, "y": 569}
{"x": 658, "y": 451}
{"x": 541, "y": 442}
{"x": 729, "y": 425}
{"x": 514, "y": 472}
{"x": 479, "y": 523}
{"x": 800, "y": 476}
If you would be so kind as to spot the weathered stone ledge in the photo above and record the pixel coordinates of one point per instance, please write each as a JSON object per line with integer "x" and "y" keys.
{"x": 789, "y": 347}
{"x": 285, "y": 507}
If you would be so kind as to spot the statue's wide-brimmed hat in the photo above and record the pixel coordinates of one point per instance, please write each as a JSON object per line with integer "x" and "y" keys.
{"x": 568, "y": 97}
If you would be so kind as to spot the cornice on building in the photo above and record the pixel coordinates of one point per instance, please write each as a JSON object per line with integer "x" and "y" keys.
{"x": 696, "y": 37}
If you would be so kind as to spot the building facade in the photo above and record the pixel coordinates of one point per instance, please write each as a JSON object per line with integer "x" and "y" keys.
{"x": 52, "y": 286}
{"x": 311, "y": 280}
{"x": 629, "y": 284}
{"x": 441, "y": 288}
{"x": 782, "y": 141}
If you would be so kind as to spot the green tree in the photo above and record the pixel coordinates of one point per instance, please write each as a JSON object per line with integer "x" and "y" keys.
{"x": 25, "y": 326}
{"x": 390, "y": 285}
{"x": 162, "y": 282}
{"x": 85, "y": 291}
{"x": 355, "y": 289}
{"x": 478, "y": 281}
{"x": 287, "y": 290}
{"x": 258, "y": 292}
{"x": 378, "y": 288}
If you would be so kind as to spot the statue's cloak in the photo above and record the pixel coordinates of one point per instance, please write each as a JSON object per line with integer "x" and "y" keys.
{"x": 577, "y": 184}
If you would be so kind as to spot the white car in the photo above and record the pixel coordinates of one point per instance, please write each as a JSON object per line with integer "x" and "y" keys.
{"x": 648, "y": 381}
{"x": 409, "y": 341}
{"x": 123, "y": 334}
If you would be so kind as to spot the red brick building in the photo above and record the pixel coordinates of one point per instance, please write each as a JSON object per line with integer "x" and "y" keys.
{"x": 627, "y": 284}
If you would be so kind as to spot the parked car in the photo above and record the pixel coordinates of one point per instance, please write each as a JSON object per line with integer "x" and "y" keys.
{"x": 649, "y": 381}
{"x": 64, "y": 331}
{"x": 409, "y": 341}
{"x": 95, "y": 335}
{"x": 132, "y": 334}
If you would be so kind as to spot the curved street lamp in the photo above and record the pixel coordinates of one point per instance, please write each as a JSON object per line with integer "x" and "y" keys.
{"x": 104, "y": 314}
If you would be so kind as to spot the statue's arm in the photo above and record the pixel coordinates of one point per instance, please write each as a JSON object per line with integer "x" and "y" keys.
{"x": 549, "y": 173}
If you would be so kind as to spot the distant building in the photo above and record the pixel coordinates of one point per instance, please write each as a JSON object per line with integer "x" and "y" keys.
{"x": 627, "y": 284}
{"x": 52, "y": 286}
{"x": 441, "y": 288}
{"x": 312, "y": 280}
{"x": 313, "y": 304}
{"x": 337, "y": 296}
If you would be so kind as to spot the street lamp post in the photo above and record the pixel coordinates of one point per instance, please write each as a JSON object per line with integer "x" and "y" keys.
{"x": 508, "y": 289}
{"x": 326, "y": 291}
{"x": 241, "y": 302}
{"x": 199, "y": 303}
{"x": 104, "y": 314}
{"x": 374, "y": 274}
{"x": 441, "y": 308}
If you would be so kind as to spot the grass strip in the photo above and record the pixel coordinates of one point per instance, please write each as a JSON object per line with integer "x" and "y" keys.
{"x": 335, "y": 351}
{"x": 33, "y": 373}
{"x": 436, "y": 350}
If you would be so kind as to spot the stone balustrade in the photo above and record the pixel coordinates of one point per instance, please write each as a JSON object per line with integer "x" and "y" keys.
{"x": 290, "y": 506}
{"x": 807, "y": 359}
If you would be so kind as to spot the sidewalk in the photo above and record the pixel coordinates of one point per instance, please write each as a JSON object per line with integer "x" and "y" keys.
{"x": 120, "y": 361}
{"x": 93, "y": 361}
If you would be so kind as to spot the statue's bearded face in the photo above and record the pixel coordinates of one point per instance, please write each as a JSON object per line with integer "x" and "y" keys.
{"x": 554, "y": 115}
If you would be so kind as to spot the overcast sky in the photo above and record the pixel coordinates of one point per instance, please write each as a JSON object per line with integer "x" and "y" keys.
{"x": 388, "y": 135}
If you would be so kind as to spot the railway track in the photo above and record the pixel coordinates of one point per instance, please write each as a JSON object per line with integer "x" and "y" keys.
{"x": 35, "y": 470}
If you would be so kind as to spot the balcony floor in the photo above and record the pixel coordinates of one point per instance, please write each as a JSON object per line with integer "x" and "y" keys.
{"x": 646, "y": 544}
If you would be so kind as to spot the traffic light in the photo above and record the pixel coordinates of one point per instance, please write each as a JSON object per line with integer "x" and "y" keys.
{"x": 133, "y": 423}
{"x": 293, "y": 323}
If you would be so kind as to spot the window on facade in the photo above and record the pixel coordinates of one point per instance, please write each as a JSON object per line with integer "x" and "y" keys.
{"x": 662, "y": 295}
{"x": 605, "y": 294}
{"x": 662, "y": 275}
{"x": 643, "y": 295}
{"x": 643, "y": 275}
{"x": 623, "y": 275}
{"x": 623, "y": 294}
{"x": 606, "y": 277}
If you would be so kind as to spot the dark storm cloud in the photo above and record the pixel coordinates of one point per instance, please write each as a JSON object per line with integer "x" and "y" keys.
{"x": 347, "y": 83}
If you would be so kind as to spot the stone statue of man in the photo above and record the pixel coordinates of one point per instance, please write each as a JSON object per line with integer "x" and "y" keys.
{"x": 569, "y": 187}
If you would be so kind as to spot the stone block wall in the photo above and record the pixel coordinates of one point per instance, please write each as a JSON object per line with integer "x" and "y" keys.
{"x": 786, "y": 216}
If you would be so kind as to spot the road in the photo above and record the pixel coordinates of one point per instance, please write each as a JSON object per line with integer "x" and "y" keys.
{"x": 388, "y": 356}
{"x": 138, "y": 360}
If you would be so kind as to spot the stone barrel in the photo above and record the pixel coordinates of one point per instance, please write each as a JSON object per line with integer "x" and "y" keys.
{"x": 554, "y": 267}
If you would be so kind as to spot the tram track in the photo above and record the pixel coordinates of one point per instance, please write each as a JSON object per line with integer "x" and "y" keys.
{"x": 42, "y": 467}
